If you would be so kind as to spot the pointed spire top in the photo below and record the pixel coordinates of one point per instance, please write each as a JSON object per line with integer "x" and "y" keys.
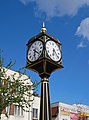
{"x": 43, "y": 25}
{"x": 43, "y": 29}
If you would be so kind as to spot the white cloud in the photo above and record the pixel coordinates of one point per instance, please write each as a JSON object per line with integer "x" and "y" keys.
{"x": 83, "y": 32}
{"x": 25, "y": 2}
{"x": 83, "y": 29}
{"x": 82, "y": 44}
{"x": 58, "y": 7}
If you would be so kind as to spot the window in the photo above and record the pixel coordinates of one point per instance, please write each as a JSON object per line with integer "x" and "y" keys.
{"x": 64, "y": 119}
{"x": 35, "y": 113}
{"x": 8, "y": 110}
{"x": 18, "y": 110}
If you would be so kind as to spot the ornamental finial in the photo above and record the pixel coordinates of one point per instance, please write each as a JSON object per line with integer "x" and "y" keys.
{"x": 43, "y": 29}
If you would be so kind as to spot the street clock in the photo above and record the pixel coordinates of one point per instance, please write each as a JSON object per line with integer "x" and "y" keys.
{"x": 44, "y": 56}
{"x": 44, "y": 53}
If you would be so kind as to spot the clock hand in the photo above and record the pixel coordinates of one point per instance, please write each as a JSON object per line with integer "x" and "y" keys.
{"x": 34, "y": 55}
{"x": 55, "y": 53}
{"x": 36, "y": 51}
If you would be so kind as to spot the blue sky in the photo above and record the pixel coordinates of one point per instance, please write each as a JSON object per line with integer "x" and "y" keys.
{"x": 64, "y": 19}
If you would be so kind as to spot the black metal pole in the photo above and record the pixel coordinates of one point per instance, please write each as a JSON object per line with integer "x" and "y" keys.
{"x": 45, "y": 111}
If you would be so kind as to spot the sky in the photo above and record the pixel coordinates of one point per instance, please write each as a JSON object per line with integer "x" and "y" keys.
{"x": 67, "y": 21}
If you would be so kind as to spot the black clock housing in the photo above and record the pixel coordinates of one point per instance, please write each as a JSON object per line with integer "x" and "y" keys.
{"x": 44, "y": 65}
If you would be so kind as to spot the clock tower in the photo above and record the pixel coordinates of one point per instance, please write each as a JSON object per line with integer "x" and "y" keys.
{"x": 44, "y": 56}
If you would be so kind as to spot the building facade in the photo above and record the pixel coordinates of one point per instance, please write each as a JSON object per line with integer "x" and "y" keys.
{"x": 63, "y": 111}
{"x": 59, "y": 110}
{"x": 16, "y": 112}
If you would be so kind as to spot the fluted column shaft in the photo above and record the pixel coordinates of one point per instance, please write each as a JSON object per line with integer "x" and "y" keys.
{"x": 45, "y": 113}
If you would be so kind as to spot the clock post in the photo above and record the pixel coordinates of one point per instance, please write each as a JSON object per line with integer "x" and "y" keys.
{"x": 44, "y": 56}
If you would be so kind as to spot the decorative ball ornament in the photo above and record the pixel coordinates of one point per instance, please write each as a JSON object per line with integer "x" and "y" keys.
{"x": 43, "y": 29}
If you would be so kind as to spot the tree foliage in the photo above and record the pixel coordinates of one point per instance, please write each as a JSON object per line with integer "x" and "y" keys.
{"x": 14, "y": 88}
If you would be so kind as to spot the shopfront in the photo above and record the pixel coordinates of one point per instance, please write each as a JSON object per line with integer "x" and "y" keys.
{"x": 73, "y": 116}
{"x": 83, "y": 116}
{"x": 64, "y": 113}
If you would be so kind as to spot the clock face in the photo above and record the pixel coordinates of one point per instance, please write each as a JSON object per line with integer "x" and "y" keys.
{"x": 53, "y": 50}
{"x": 35, "y": 51}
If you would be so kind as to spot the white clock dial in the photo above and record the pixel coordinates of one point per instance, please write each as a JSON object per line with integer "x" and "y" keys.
{"x": 53, "y": 50}
{"x": 35, "y": 51}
